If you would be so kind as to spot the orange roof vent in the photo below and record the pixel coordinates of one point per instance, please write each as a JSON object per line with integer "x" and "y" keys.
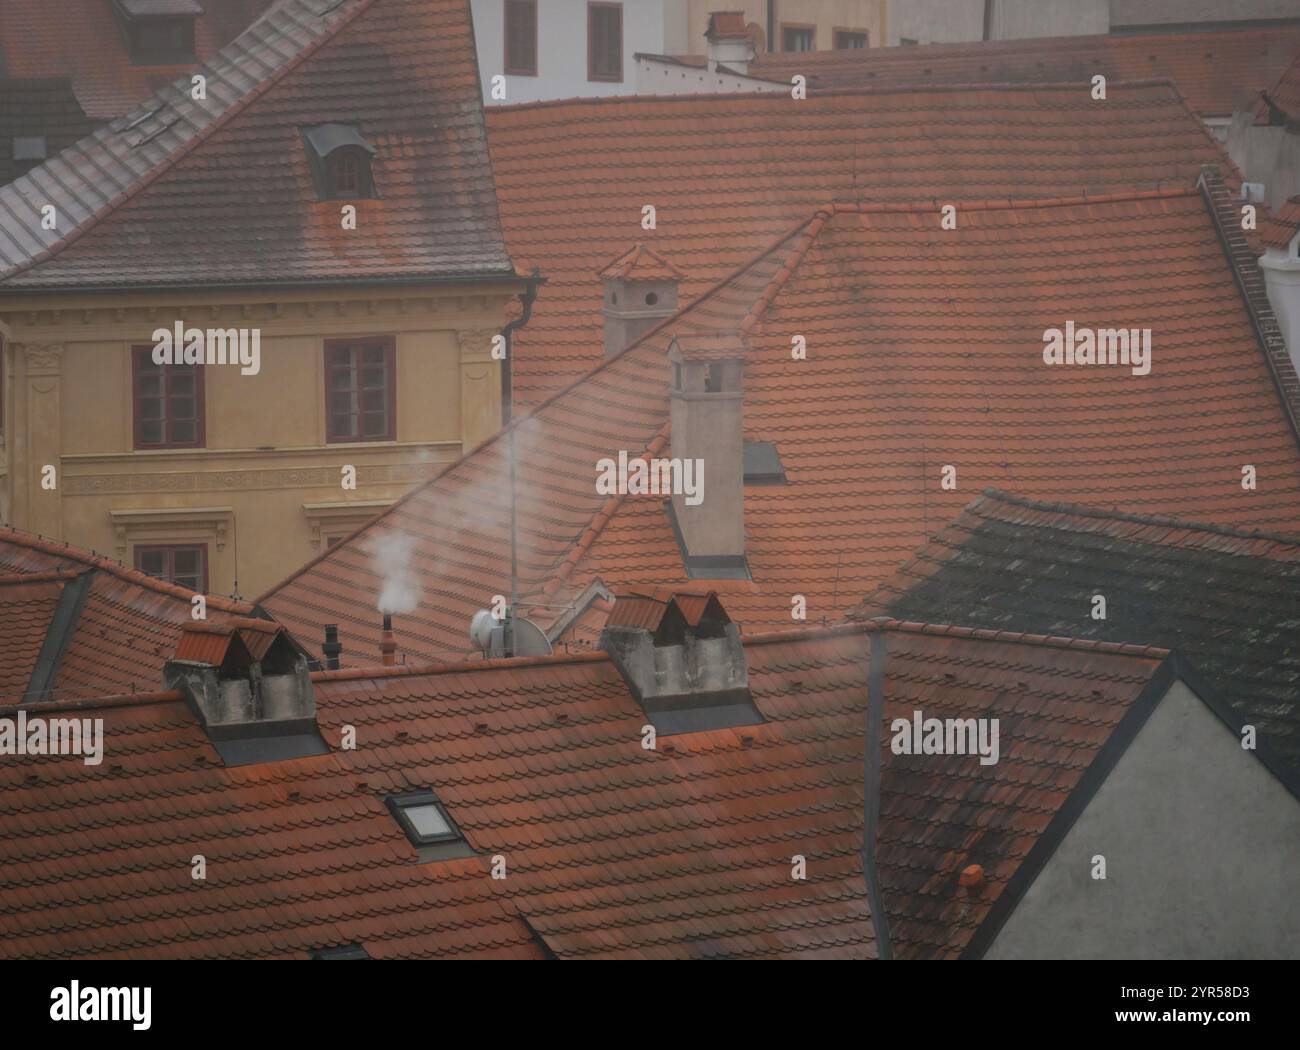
{"x": 972, "y": 879}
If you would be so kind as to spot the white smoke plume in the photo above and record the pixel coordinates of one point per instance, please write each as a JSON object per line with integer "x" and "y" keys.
{"x": 390, "y": 556}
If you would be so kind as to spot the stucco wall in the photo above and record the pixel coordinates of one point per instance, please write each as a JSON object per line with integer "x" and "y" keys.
{"x": 1153, "y": 12}
{"x": 562, "y": 49}
{"x": 1202, "y": 848}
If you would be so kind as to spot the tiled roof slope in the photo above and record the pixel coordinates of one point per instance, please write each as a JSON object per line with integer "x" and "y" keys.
{"x": 43, "y": 108}
{"x": 127, "y": 627}
{"x": 611, "y": 850}
{"x": 1216, "y": 70}
{"x": 236, "y": 168}
{"x": 1282, "y": 225}
{"x": 572, "y": 178}
{"x": 1284, "y": 96}
{"x": 1229, "y": 600}
{"x": 924, "y": 350}
{"x": 81, "y": 38}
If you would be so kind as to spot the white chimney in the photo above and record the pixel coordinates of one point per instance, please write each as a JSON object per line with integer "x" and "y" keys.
{"x": 708, "y": 430}
{"x": 1280, "y": 265}
{"x": 640, "y": 290}
{"x": 731, "y": 42}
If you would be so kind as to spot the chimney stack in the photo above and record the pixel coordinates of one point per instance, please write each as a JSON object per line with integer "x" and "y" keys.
{"x": 388, "y": 642}
{"x": 640, "y": 290}
{"x": 331, "y": 650}
{"x": 248, "y": 684}
{"x": 708, "y": 428}
{"x": 682, "y": 660}
{"x": 731, "y": 42}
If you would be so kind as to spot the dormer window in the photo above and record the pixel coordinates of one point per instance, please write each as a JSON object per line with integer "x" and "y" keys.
{"x": 159, "y": 32}
{"x": 340, "y": 161}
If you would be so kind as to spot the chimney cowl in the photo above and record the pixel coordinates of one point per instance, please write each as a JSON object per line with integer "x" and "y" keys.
{"x": 682, "y": 658}
{"x": 388, "y": 642}
{"x": 333, "y": 648}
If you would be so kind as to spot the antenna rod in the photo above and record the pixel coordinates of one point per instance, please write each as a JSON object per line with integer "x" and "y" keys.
{"x": 526, "y": 298}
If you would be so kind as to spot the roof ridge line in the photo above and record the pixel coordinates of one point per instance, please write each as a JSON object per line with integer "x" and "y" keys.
{"x": 812, "y": 229}
{"x": 112, "y": 204}
{"x": 347, "y": 674}
{"x": 592, "y": 101}
{"x": 88, "y": 703}
{"x": 1084, "y": 511}
{"x": 888, "y": 623}
{"x": 45, "y": 576}
{"x": 1244, "y": 264}
{"x": 599, "y": 520}
{"x": 91, "y": 560}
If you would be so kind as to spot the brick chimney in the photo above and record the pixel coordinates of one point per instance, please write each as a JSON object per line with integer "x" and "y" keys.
{"x": 248, "y": 684}
{"x": 708, "y": 428}
{"x": 731, "y": 42}
{"x": 682, "y": 659}
{"x": 640, "y": 290}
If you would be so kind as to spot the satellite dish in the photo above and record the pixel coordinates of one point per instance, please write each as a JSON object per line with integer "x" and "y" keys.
{"x": 480, "y": 629}
{"x": 489, "y": 635}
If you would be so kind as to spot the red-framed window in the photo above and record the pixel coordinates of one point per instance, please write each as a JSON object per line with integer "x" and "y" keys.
{"x": 168, "y": 402}
{"x": 521, "y": 38}
{"x": 361, "y": 389}
{"x": 184, "y": 564}
{"x": 604, "y": 41}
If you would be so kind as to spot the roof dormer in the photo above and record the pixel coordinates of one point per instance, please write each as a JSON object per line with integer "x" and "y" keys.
{"x": 158, "y": 32}
{"x": 341, "y": 162}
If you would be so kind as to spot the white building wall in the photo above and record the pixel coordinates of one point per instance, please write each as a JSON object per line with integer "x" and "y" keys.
{"x": 1202, "y": 848}
{"x": 562, "y": 48}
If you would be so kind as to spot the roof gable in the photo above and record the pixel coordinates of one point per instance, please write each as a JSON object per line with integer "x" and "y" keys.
{"x": 402, "y": 73}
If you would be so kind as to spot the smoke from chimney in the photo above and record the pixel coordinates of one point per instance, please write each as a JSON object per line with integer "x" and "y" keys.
{"x": 391, "y": 560}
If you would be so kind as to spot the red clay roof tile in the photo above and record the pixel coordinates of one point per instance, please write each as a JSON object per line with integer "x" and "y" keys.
{"x": 611, "y": 850}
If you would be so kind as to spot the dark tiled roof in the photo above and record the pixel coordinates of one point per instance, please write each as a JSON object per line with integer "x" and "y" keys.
{"x": 611, "y": 850}
{"x": 573, "y": 177}
{"x": 38, "y": 108}
{"x": 83, "y": 39}
{"x": 1217, "y": 71}
{"x": 1228, "y": 600}
{"x": 1282, "y": 99}
{"x": 235, "y": 166}
{"x": 925, "y": 349}
{"x": 127, "y": 626}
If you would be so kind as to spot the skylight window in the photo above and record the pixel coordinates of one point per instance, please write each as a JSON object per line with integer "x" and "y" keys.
{"x": 341, "y": 951}
{"x": 428, "y": 825}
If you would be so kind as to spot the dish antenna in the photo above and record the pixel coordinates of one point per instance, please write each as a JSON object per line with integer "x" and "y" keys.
{"x": 488, "y": 634}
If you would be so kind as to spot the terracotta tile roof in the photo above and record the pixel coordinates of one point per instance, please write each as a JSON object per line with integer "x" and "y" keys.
{"x": 925, "y": 350}
{"x": 640, "y": 263}
{"x": 1217, "y": 71}
{"x": 1282, "y": 99}
{"x": 236, "y": 165}
{"x": 573, "y": 177}
{"x": 55, "y": 38}
{"x": 610, "y": 850}
{"x": 1282, "y": 225}
{"x": 126, "y": 628}
{"x": 1227, "y": 599}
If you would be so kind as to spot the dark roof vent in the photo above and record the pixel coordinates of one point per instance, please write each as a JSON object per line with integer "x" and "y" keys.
{"x": 763, "y": 464}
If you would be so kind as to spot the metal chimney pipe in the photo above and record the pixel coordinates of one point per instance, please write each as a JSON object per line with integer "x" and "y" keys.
{"x": 332, "y": 650}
